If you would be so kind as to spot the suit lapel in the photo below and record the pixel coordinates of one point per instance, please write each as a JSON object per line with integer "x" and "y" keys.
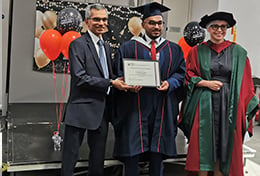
{"x": 94, "y": 52}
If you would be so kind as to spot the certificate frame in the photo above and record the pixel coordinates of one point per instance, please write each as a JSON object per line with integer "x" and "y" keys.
{"x": 145, "y": 73}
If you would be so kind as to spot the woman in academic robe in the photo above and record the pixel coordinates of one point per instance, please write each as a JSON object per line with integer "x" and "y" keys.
{"x": 220, "y": 101}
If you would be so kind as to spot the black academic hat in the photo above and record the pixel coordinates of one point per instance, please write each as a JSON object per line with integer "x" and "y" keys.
{"x": 151, "y": 9}
{"x": 225, "y": 16}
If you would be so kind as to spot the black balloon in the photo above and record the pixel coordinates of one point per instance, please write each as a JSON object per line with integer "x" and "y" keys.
{"x": 193, "y": 33}
{"x": 69, "y": 19}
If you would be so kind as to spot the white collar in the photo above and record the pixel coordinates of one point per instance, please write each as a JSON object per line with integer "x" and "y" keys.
{"x": 146, "y": 43}
{"x": 148, "y": 39}
{"x": 94, "y": 38}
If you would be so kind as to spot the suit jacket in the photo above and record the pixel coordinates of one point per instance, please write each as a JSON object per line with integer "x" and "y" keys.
{"x": 88, "y": 87}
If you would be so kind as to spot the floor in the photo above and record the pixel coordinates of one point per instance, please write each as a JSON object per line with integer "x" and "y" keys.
{"x": 252, "y": 163}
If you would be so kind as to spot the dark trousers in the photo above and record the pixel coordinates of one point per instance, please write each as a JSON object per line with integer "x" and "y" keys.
{"x": 155, "y": 165}
{"x": 73, "y": 138}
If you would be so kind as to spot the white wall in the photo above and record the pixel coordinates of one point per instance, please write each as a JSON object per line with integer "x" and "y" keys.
{"x": 248, "y": 25}
{"x": 27, "y": 85}
{"x": 185, "y": 11}
{"x": 178, "y": 17}
{"x": 1, "y": 54}
{"x": 5, "y": 11}
{"x": 202, "y": 7}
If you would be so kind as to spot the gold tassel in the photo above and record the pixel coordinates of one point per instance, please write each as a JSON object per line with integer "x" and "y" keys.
{"x": 234, "y": 33}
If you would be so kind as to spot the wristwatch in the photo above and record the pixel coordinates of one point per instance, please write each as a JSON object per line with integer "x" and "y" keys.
{"x": 110, "y": 83}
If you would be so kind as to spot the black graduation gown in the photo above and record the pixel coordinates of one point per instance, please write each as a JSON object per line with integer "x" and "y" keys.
{"x": 221, "y": 69}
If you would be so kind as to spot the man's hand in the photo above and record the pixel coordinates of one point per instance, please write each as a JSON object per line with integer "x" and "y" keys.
{"x": 164, "y": 86}
{"x": 135, "y": 88}
{"x": 120, "y": 84}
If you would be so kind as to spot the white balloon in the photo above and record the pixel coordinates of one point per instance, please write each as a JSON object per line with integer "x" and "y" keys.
{"x": 41, "y": 59}
{"x": 135, "y": 25}
{"x": 38, "y": 23}
{"x": 36, "y": 44}
{"x": 49, "y": 19}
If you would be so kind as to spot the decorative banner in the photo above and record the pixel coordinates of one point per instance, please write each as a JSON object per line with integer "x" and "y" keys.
{"x": 50, "y": 15}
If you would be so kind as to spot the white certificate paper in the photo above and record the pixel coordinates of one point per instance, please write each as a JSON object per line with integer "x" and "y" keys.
{"x": 141, "y": 72}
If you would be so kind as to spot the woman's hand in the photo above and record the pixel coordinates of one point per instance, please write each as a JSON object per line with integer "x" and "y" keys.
{"x": 213, "y": 84}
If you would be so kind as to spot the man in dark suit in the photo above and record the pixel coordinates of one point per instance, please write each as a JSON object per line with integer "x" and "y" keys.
{"x": 89, "y": 104}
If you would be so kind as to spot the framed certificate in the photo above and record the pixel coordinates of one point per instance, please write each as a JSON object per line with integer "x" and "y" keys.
{"x": 141, "y": 72}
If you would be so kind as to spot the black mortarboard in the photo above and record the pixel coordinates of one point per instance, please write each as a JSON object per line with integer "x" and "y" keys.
{"x": 151, "y": 9}
{"x": 225, "y": 16}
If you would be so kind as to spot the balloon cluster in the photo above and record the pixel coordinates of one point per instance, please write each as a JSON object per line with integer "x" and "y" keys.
{"x": 193, "y": 33}
{"x": 53, "y": 43}
{"x": 54, "y": 33}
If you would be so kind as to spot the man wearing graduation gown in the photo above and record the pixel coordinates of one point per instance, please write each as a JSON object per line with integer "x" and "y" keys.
{"x": 146, "y": 117}
{"x": 216, "y": 116}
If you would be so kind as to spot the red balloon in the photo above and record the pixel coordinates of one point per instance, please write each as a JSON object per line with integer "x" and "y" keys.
{"x": 185, "y": 47}
{"x": 50, "y": 43}
{"x": 67, "y": 38}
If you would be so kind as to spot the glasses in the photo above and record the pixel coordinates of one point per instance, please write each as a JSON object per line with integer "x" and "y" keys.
{"x": 96, "y": 19}
{"x": 216, "y": 27}
{"x": 154, "y": 23}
